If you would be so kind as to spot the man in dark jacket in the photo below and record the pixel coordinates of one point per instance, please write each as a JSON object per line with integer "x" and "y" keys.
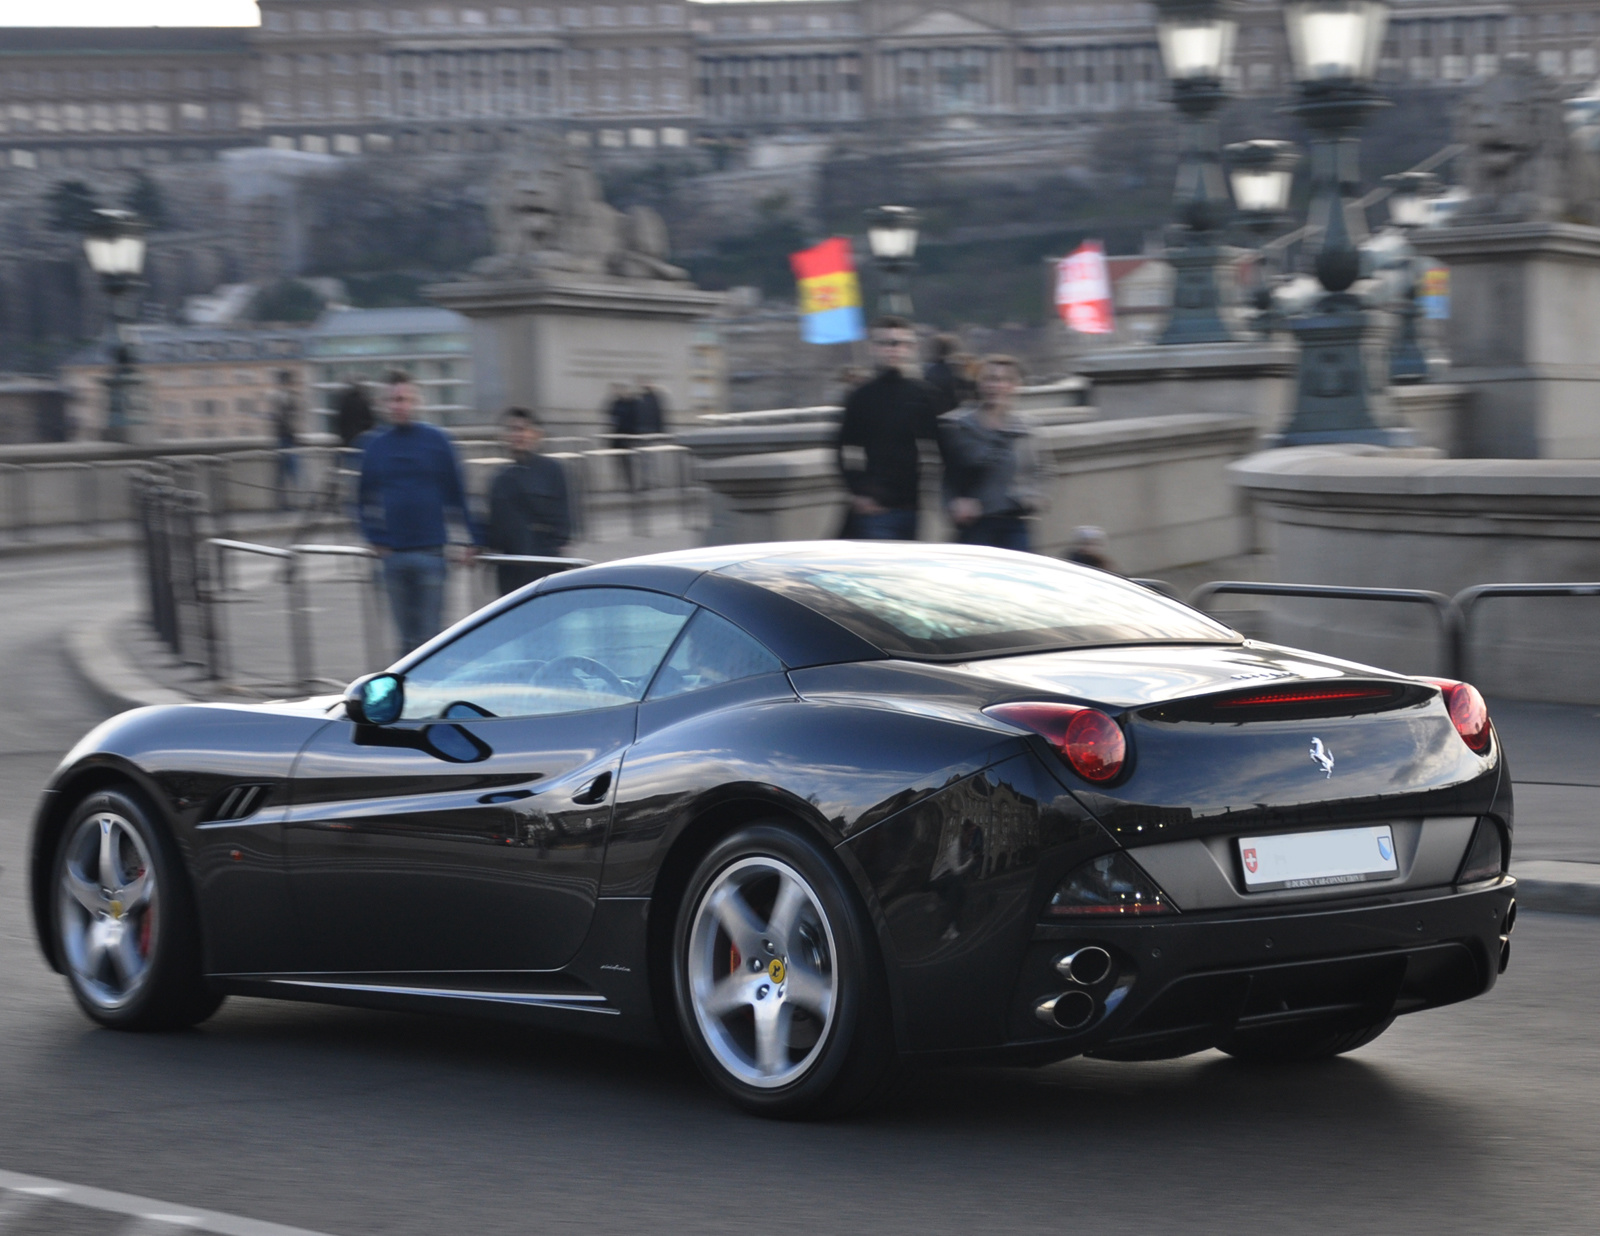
{"x": 947, "y": 374}
{"x": 410, "y": 480}
{"x": 528, "y": 505}
{"x": 352, "y": 414}
{"x": 622, "y": 410}
{"x": 885, "y": 420}
{"x": 652, "y": 408}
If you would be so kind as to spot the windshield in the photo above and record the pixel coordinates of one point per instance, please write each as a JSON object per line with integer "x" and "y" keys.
{"x": 971, "y": 601}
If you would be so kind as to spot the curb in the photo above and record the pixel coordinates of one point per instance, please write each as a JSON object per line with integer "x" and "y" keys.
{"x": 1558, "y": 887}
{"x": 91, "y": 648}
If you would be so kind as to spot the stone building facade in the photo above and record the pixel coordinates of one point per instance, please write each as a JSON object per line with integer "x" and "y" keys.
{"x": 353, "y": 76}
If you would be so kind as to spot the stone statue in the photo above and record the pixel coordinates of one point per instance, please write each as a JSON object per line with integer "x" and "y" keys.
{"x": 546, "y": 214}
{"x": 1523, "y": 164}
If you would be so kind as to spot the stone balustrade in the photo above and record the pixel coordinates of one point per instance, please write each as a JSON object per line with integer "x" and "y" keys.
{"x": 1157, "y": 485}
{"x": 1366, "y": 517}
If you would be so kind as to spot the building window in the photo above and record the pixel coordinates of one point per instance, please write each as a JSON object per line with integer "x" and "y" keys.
{"x": 669, "y": 14}
{"x": 474, "y": 17}
{"x": 639, "y": 57}
{"x": 440, "y": 17}
{"x": 507, "y": 17}
{"x": 340, "y": 20}
{"x": 605, "y": 15}
{"x": 278, "y": 23}
{"x": 574, "y": 17}
{"x": 307, "y": 21}
{"x": 372, "y": 19}
{"x": 638, "y": 15}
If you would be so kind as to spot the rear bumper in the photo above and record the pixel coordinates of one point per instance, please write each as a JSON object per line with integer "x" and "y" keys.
{"x": 1191, "y": 982}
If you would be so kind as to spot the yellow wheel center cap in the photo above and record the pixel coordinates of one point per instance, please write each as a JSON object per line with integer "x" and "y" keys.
{"x": 775, "y": 970}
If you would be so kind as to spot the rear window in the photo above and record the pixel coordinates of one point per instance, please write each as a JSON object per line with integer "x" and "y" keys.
{"x": 965, "y": 602}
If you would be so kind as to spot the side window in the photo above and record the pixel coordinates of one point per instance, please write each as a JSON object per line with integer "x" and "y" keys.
{"x": 711, "y": 651}
{"x": 568, "y": 651}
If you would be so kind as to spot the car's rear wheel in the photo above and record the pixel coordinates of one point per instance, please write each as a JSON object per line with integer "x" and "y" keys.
{"x": 1291, "y": 1045}
{"x": 125, "y": 925}
{"x": 776, "y": 977}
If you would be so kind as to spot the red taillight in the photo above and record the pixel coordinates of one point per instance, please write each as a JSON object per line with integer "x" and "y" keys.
{"x": 1468, "y": 712}
{"x": 1091, "y": 742}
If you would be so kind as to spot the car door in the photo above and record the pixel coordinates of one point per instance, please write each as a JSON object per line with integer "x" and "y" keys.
{"x": 470, "y": 834}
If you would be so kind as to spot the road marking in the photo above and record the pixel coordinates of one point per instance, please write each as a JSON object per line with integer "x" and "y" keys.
{"x": 20, "y": 1194}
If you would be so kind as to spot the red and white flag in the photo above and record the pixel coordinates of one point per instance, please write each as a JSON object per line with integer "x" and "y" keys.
{"x": 1083, "y": 290}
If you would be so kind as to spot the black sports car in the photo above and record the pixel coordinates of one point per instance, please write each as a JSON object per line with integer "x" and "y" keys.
{"x": 811, "y": 809}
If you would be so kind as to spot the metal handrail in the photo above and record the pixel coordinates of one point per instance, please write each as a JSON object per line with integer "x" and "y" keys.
{"x": 564, "y": 564}
{"x": 1157, "y": 585}
{"x": 1446, "y": 609}
{"x": 1467, "y": 600}
{"x": 299, "y": 611}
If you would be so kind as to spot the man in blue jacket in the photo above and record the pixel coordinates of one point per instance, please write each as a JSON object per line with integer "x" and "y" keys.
{"x": 410, "y": 479}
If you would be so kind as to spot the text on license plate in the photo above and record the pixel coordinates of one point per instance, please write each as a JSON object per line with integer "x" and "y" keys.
{"x": 1314, "y": 860}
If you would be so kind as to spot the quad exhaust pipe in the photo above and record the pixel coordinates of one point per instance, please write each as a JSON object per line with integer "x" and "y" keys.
{"x": 1071, "y": 1010}
{"x": 1086, "y": 967}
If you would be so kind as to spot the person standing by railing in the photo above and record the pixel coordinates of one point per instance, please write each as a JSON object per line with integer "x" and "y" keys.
{"x": 529, "y": 510}
{"x": 885, "y": 420}
{"x": 991, "y": 478}
{"x": 286, "y": 435}
{"x": 410, "y": 482}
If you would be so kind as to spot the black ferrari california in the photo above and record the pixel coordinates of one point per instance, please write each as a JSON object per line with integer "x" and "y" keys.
{"x": 810, "y": 810}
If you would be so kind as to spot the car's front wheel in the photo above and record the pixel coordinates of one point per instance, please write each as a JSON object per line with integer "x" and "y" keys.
{"x": 778, "y": 987}
{"x": 125, "y": 925}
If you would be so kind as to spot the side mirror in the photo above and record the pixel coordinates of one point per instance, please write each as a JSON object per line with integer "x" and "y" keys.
{"x": 376, "y": 699}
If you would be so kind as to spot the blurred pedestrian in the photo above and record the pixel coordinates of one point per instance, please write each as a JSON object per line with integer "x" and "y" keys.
{"x": 1090, "y": 547}
{"x": 286, "y": 434}
{"x": 410, "y": 481}
{"x": 885, "y": 420}
{"x": 622, "y": 411}
{"x": 353, "y": 414}
{"x": 652, "y": 408}
{"x": 947, "y": 373}
{"x": 991, "y": 478}
{"x": 529, "y": 511}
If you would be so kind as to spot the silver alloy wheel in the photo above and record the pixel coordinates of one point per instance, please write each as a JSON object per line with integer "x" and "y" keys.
{"x": 761, "y": 972}
{"x": 107, "y": 910}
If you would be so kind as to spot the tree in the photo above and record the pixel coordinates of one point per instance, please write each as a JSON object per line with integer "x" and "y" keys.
{"x": 72, "y": 206}
{"x": 146, "y": 200}
{"x": 287, "y": 300}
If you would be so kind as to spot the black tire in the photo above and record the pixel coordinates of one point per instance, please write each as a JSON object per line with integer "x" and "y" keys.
{"x": 161, "y": 937}
{"x": 1298, "y": 1045}
{"x": 832, "y": 1057}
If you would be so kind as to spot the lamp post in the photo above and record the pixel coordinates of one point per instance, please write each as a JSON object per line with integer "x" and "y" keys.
{"x": 1410, "y": 207}
{"x": 892, "y": 238}
{"x": 1197, "y": 38}
{"x": 1334, "y": 45}
{"x": 114, "y": 245}
{"x": 1262, "y": 175}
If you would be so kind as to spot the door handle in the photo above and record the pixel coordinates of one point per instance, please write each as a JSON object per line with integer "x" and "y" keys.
{"x": 595, "y": 791}
{"x": 505, "y": 796}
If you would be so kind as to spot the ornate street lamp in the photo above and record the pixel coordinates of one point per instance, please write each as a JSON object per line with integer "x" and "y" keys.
{"x": 892, "y": 238}
{"x": 1262, "y": 175}
{"x": 1196, "y": 38}
{"x": 114, "y": 245}
{"x": 1410, "y": 207}
{"x": 1334, "y": 45}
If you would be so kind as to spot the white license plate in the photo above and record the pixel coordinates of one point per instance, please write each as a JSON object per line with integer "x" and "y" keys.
{"x": 1317, "y": 860}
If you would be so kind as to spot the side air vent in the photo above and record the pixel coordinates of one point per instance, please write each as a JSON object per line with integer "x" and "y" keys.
{"x": 236, "y": 803}
{"x": 1300, "y": 701}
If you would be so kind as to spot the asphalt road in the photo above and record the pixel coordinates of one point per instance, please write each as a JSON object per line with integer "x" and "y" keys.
{"x": 1479, "y": 1118}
